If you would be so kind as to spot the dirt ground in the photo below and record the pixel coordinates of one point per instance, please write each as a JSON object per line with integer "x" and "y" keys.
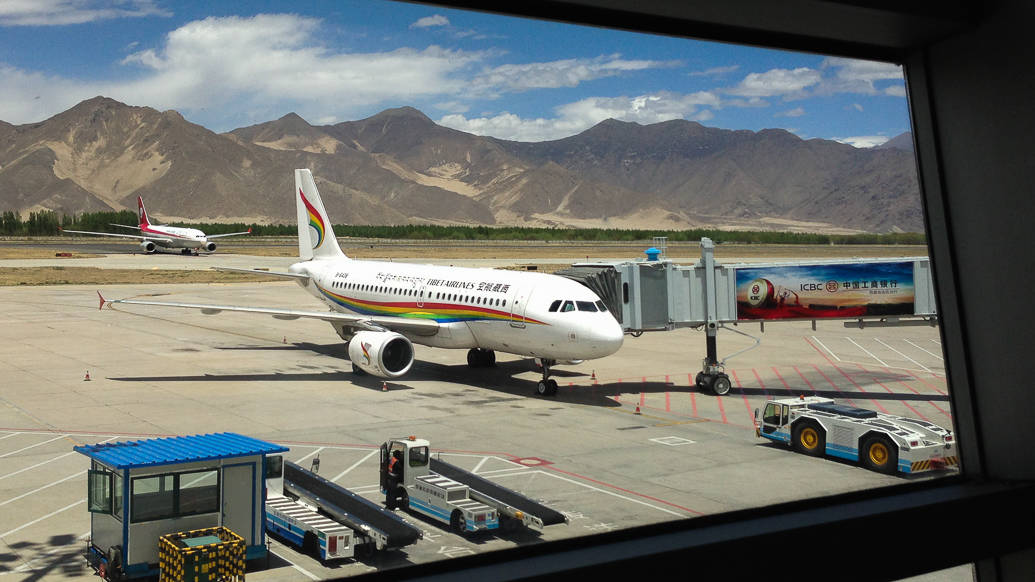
{"x": 524, "y": 255}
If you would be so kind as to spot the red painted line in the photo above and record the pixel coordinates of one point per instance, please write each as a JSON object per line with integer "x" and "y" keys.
{"x": 693, "y": 404}
{"x": 668, "y": 401}
{"x": 623, "y": 490}
{"x": 747, "y": 405}
{"x": 836, "y": 387}
{"x": 831, "y": 362}
{"x": 722, "y": 410}
{"x": 861, "y": 389}
{"x": 782, "y": 381}
{"x": 760, "y": 382}
{"x": 809, "y": 384}
{"x": 928, "y": 384}
{"x": 915, "y": 411}
{"x": 643, "y": 395}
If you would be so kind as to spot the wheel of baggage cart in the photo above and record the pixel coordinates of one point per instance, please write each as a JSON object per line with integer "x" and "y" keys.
{"x": 456, "y": 521}
{"x": 809, "y": 438}
{"x": 880, "y": 454}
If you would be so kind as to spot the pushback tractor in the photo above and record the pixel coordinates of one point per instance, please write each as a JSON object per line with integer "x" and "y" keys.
{"x": 815, "y": 426}
{"x": 412, "y": 480}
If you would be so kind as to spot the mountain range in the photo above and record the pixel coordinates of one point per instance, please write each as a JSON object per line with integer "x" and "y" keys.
{"x": 400, "y": 167}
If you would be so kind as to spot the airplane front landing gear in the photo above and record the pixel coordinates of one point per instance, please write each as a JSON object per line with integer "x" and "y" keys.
{"x": 713, "y": 376}
{"x": 547, "y": 386}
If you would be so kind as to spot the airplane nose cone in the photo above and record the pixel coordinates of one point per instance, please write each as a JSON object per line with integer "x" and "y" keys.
{"x": 607, "y": 338}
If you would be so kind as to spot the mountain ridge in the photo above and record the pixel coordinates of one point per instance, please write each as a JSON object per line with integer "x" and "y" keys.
{"x": 400, "y": 167}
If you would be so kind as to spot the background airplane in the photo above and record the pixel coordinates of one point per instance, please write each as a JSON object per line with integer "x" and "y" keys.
{"x": 382, "y": 309}
{"x": 155, "y": 236}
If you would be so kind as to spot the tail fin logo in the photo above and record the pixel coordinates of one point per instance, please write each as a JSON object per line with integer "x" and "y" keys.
{"x": 315, "y": 221}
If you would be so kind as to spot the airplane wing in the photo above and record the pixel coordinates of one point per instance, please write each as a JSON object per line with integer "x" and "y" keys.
{"x": 298, "y": 276}
{"x": 249, "y": 231}
{"x": 124, "y": 226}
{"x": 369, "y": 323}
{"x": 156, "y": 240}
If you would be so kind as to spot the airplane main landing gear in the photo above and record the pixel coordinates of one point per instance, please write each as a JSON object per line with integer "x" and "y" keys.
{"x": 547, "y": 386}
{"x": 481, "y": 358}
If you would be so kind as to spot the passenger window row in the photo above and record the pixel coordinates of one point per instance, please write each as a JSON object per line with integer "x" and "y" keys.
{"x": 469, "y": 299}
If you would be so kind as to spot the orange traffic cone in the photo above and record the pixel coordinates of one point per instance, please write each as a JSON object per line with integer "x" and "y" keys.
{"x": 285, "y": 339}
{"x": 87, "y": 378}
{"x": 637, "y": 409}
{"x": 594, "y": 375}
{"x": 384, "y": 386}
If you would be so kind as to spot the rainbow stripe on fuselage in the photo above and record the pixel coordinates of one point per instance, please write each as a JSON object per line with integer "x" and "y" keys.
{"x": 433, "y": 310}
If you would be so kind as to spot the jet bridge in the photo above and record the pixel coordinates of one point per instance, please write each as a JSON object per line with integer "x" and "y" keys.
{"x": 657, "y": 295}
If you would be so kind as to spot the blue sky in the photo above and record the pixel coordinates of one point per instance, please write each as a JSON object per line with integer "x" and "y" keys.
{"x": 229, "y": 65}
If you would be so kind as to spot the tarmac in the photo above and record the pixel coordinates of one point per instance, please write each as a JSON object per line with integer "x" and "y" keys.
{"x": 628, "y": 440}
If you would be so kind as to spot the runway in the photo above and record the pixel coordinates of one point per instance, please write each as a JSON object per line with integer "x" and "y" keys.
{"x": 627, "y": 441}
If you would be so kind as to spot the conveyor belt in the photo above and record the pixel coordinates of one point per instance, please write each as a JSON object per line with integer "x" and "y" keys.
{"x": 348, "y": 507}
{"x": 498, "y": 492}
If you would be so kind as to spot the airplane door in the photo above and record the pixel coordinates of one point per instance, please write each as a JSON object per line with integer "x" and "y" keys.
{"x": 518, "y": 306}
{"x": 420, "y": 295}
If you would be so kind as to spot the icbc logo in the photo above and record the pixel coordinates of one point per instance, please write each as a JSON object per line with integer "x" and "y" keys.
{"x": 832, "y": 286}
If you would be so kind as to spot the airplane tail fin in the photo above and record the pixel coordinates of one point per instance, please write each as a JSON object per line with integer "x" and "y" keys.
{"x": 316, "y": 238}
{"x": 144, "y": 222}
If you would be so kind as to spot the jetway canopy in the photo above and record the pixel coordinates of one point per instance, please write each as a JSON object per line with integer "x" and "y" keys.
{"x": 646, "y": 295}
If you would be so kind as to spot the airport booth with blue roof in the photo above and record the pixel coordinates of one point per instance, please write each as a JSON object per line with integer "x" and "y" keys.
{"x": 141, "y": 490}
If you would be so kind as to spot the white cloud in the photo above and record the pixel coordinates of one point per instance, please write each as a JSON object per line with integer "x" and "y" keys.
{"x": 714, "y": 71}
{"x": 580, "y": 115}
{"x": 65, "y": 12}
{"x": 796, "y": 112}
{"x": 788, "y": 83}
{"x": 257, "y": 66}
{"x": 854, "y": 106}
{"x": 551, "y": 75}
{"x": 429, "y": 21}
{"x": 862, "y": 141}
{"x": 895, "y": 91}
{"x": 855, "y": 76}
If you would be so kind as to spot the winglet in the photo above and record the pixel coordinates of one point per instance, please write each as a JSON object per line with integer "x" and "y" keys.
{"x": 103, "y": 301}
{"x": 249, "y": 230}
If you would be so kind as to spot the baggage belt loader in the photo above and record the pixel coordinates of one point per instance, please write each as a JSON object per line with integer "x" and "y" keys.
{"x": 326, "y": 520}
{"x": 886, "y": 443}
{"x": 452, "y": 495}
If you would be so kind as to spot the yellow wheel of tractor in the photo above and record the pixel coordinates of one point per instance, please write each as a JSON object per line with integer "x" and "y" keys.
{"x": 809, "y": 438}
{"x": 879, "y": 454}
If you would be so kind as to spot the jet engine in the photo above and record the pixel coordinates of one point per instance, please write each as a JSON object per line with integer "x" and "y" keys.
{"x": 384, "y": 354}
{"x": 210, "y": 246}
{"x": 148, "y": 246}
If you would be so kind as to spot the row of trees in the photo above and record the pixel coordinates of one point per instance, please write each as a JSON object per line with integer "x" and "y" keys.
{"x": 47, "y": 223}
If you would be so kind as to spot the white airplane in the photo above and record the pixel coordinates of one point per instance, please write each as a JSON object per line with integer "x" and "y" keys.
{"x": 381, "y": 309}
{"x": 153, "y": 236}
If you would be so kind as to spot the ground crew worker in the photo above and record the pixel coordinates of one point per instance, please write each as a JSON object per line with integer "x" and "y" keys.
{"x": 395, "y": 471}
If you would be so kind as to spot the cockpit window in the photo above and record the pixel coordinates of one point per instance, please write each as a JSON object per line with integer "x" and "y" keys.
{"x": 555, "y": 305}
{"x": 586, "y": 306}
{"x": 568, "y": 306}
{"x": 601, "y": 306}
